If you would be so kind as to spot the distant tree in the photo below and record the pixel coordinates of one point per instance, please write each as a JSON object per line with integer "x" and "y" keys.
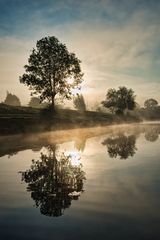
{"x": 119, "y": 100}
{"x": 52, "y": 70}
{"x": 36, "y": 103}
{"x": 98, "y": 107}
{"x": 137, "y": 106}
{"x": 79, "y": 103}
{"x": 150, "y": 103}
{"x": 12, "y": 100}
{"x": 111, "y": 100}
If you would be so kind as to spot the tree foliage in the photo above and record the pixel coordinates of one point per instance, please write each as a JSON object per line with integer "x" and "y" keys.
{"x": 150, "y": 103}
{"x": 36, "y": 103}
{"x": 79, "y": 103}
{"x": 52, "y": 70}
{"x": 12, "y": 100}
{"x": 119, "y": 100}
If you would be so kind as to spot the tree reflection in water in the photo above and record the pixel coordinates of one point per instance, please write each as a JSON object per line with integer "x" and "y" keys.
{"x": 80, "y": 144}
{"x": 53, "y": 182}
{"x": 121, "y": 145}
{"x": 152, "y": 134}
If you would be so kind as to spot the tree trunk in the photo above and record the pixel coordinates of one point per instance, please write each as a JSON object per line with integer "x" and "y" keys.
{"x": 53, "y": 95}
{"x": 53, "y": 103}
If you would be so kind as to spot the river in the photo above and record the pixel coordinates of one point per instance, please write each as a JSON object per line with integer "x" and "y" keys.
{"x": 95, "y": 183}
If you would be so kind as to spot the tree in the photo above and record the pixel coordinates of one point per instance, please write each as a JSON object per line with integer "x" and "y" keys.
{"x": 36, "y": 103}
{"x": 150, "y": 103}
{"x": 79, "y": 103}
{"x": 12, "y": 100}
{"x": 52, "y": 70}
{"x": 119, "y": 100}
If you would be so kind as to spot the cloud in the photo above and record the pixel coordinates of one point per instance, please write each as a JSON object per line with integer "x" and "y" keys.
{"x": 117, "y": 43}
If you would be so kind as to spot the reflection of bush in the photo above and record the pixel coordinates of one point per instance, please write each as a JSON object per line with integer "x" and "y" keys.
{"x": 151, "y": 135}
{"x": 54, "y": 183}
{"x": 121, "y": 145}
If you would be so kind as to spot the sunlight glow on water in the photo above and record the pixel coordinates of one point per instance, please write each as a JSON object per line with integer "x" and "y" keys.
{"x": 75, "y": 157}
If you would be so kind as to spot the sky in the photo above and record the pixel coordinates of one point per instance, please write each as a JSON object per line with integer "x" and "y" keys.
{"x": 118, "y": 42}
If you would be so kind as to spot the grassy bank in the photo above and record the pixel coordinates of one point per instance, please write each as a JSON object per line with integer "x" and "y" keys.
{"x": 24, "y": 119}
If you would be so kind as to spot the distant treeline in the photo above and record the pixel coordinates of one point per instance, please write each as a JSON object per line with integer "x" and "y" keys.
{"x": 13, "y": 100}
{"x": 122, "y": 102}
{"x": 117, "y": 102}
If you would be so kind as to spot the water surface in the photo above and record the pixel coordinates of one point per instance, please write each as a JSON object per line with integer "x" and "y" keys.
{"x": 96, "y": 183}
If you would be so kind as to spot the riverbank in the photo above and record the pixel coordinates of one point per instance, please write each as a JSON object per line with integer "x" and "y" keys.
{"x": 15, "y": 120}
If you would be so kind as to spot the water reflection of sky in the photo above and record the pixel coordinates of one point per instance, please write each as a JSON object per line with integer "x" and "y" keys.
{"x": 120, "y": 198}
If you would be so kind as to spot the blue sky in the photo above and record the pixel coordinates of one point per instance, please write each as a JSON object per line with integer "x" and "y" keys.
{"x": 118, "y": 42}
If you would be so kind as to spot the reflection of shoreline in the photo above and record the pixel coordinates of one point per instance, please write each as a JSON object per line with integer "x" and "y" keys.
{"x": 15, "y": 143}
{"x": 54, "y": 183}
{"x": 122, "y": 144}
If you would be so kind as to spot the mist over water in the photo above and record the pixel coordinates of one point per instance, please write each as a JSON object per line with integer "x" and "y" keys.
{"x": 95, "y": 183}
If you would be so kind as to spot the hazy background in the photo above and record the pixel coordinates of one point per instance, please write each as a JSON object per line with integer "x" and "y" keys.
{"x": 118, "y": 42}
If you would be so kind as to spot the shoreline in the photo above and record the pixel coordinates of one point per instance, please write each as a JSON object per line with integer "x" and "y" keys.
{"x": 9, "y": 126}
